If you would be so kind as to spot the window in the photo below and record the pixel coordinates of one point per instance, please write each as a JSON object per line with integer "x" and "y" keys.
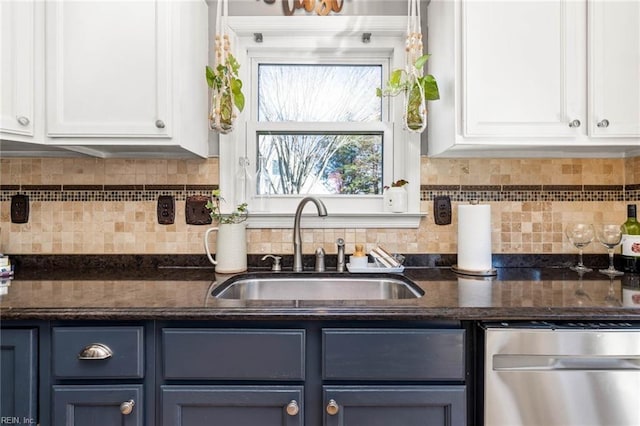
{"x": 314, "y": 162}
{"x": 313, "y": 125}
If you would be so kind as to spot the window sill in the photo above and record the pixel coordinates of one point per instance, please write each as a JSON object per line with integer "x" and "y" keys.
{"x": 338, "y": 220}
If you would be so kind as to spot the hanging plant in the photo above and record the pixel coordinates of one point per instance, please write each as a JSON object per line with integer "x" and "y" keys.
{"x": 223, "y": 81}
{"x": 416, "y": 87}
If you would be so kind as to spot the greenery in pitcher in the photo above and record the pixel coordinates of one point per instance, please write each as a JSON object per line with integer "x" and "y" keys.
{"x": 239, "y": 215}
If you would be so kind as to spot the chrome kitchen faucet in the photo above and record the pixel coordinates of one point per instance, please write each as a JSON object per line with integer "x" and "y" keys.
{"x": 297, "y": 240}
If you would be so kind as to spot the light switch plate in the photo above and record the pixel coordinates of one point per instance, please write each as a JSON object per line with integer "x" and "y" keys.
{"x": 166, "y": 210}
{"x": 442, "y": 210}
{"x": 19, "y": 208}
{"x": 196, "y": 212}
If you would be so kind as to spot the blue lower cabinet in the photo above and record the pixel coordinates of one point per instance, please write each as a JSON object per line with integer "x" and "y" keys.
{"x": 98, "y": 405}
{"x": 232, "y": 405}
{"x": 394, "y": 405}
{"x": 19, "y": 372}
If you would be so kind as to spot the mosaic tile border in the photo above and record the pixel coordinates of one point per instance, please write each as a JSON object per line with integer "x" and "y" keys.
{"x": 458, "y": 193}
{"x": 533, "y": 193}
{"x": 102, "y": 192}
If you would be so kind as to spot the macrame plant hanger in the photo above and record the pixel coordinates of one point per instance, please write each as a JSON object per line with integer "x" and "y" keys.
{"x": 415, "y": 108}
{"x": 223, "y": 109}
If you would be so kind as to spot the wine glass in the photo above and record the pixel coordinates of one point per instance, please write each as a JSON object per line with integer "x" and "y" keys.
{"x": 609, "y": 236}
{"x": 580, "y": 235}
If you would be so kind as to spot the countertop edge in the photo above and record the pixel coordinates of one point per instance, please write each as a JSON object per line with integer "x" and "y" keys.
{"x": 207, "y": 314}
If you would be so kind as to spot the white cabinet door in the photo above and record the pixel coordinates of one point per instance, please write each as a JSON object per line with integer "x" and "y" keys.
{"x": 523, "y": 68}
{"x": 17, "y": 73}
{"x": 614, "y": 68}
{"x": 108, "y": 69}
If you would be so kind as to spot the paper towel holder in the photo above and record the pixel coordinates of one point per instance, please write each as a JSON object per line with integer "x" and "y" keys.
{"x": 488, "y": 273}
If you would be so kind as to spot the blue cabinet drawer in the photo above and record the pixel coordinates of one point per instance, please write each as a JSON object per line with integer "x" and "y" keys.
{"x": 233, "y": 354}
{"x": 84, "y": 405}
{"x": 393, "y": 354}
{"x": 232, "y": 405}
{"x": 98, "y": 352}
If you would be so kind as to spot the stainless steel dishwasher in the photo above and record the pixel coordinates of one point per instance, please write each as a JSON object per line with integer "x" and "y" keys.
{"x": 570, "y": 374}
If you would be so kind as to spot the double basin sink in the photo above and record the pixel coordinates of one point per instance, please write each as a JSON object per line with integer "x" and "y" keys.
{"x": 317, "y": 286}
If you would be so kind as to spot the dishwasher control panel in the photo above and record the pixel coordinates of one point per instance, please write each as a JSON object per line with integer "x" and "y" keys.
{"x": 564, "y": 325}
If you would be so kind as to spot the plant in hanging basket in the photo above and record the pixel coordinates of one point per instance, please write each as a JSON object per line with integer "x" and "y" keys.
{"x": 226, "y": 90}
{"x": 416, "y": 88}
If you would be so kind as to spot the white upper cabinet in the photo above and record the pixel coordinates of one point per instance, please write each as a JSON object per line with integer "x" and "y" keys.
{"x": 108, "y": 69}
{"x": 523, "y": 65}
{"x": 17, "y": 73}
{"x": 109, "y": 78}
{"x": 513, "y": 77}
{"x": 614, "y": 68}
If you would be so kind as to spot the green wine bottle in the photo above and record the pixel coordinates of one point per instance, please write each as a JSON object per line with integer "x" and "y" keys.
{"x": 631, "y": 241}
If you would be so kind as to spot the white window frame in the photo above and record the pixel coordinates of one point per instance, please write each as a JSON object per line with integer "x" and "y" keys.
{"x": 312, "y": 39}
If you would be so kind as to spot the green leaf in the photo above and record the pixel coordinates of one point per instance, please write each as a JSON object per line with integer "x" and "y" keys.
{"x": 236, "y": 90}
{"x": 378, "y": 92}
{"x": 395, "y": 78}
{"x": 238, "y": 99}
{"x": 210, "y": 75}
{"x": 422, "y": 60}
{"x": 233, "y": 64}
{"x": 430, "y": 86}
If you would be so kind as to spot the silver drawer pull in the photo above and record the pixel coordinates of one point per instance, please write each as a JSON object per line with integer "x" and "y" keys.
{"x": 574, "y": 124}
{"x": 95, "y": 351}
{"x": 127, "y": 407}
{"x": 160, "y": 124}
{"x": 24, "y": 121}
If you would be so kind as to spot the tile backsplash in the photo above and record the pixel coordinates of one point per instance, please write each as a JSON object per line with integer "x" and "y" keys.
{"x": 108, "y": 206}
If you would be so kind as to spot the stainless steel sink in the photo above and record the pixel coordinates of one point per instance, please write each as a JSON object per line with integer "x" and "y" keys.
{"x": 302, "y": 286}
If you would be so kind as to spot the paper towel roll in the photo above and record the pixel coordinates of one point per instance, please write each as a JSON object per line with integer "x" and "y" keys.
{"x": 474, "y": 237}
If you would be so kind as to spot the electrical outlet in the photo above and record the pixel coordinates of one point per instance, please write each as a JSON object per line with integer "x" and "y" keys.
{"x": 196, "y": 212}
{"x": 166, "y": 210}
{"x": 19, "y": 208}
{"x": 442, "y": 210}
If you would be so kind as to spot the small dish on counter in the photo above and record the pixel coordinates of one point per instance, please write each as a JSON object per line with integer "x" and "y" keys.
{"x": 372, "y": 267}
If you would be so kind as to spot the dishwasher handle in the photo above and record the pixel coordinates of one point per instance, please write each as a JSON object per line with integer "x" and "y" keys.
{"x": 503, "y": 362}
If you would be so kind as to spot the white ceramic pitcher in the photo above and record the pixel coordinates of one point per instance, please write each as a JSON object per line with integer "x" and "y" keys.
{"x": 231, "y": 247}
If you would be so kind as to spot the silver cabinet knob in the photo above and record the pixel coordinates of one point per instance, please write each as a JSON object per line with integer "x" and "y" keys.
{"x": 95, "y": 351}
{"x": 24, "y": 121}
{"x": 574, "y": 123}
{"x": 292, "y": 408}
{"x": 332, "y": 407}
{"x": 127, "y": 407}
{"x": 603, "y": 123}
{"x": 160, "y": 124}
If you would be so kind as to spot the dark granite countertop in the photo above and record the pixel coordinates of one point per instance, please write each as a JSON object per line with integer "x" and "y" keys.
{"x": 175, "y": 293}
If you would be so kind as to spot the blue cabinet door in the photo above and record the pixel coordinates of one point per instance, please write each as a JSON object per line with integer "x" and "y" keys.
{"x": 18, "y": 368}
{"x": 394, "y": 405}
{"x": 232, "y": 405}
{"x": 98, "y": 405}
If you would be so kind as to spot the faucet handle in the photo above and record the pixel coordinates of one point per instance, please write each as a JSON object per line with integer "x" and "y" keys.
{"x": 320, "y": 259}
{"x": 276, "y": 267}
{"x": 340, "y": 261}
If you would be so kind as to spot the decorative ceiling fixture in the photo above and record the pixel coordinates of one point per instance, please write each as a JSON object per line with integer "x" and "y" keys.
{"x": 321, "y": 7}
